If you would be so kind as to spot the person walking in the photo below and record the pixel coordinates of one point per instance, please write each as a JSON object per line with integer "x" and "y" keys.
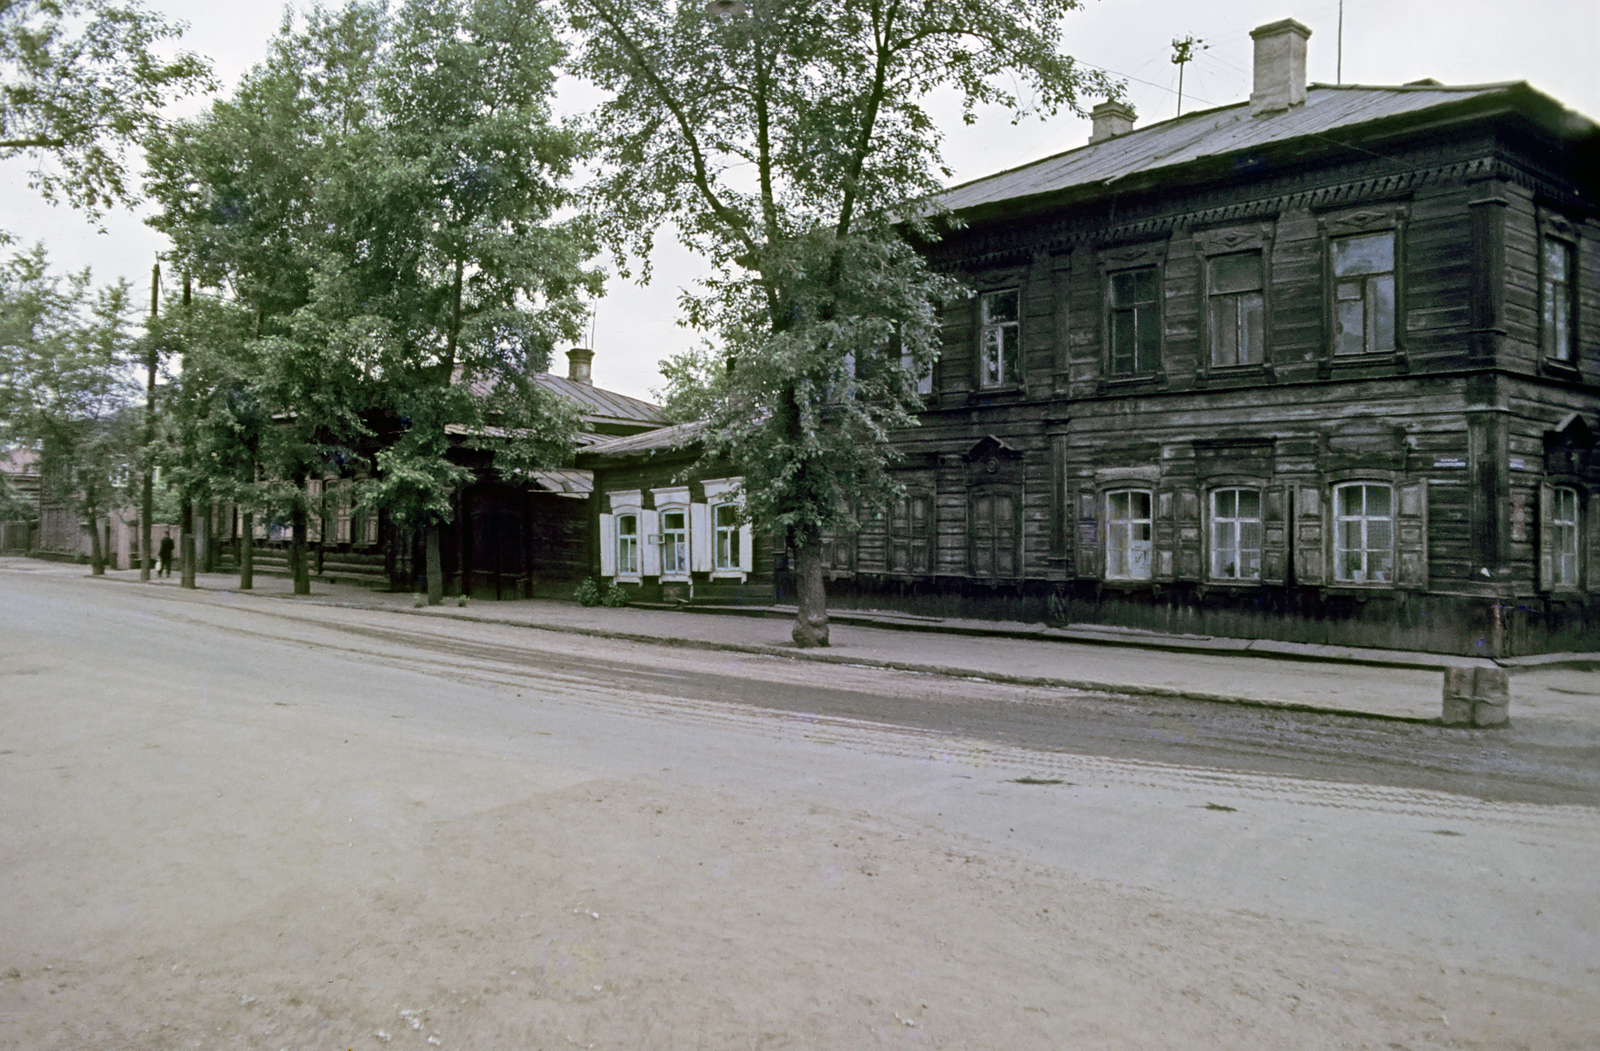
{"x": 165, "y": 553}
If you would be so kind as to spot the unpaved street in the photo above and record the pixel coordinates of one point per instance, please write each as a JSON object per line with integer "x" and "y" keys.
{"x": 236, "y": 822}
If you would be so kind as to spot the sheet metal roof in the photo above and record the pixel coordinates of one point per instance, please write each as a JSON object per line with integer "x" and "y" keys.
{"x": 659, "y": 440}
{"x": 603, "y": 405}
{"x": 1222, "y": 132}
{"x": 565, "y": 481}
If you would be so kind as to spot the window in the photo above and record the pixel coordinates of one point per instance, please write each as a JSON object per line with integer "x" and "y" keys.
{"x": 1363, "y": 534}
{"x": 674, "y": 543}
{"x": 726, "y": 518}
{"x": 627, "y": 545}
{"x": 1564, "y": 538}
{"x": 1364, "y": 294}
{"x": 1128, "y": 535}
{"x": 1556, "y": 330}
{"x": 1135, "y": 322}
{"x": 1236, "y": 534}
{"x": 1235, "y": 310}
{"x": 924, "y": 379}
{"x": 998, "y": 341}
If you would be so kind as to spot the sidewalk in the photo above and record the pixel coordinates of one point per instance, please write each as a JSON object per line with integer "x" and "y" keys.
{"x": 1558, "y": 694}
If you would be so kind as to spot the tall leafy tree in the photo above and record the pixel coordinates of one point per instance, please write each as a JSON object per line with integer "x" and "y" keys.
{"x": 382, "y": 196}
{"x": 791, "y": 144}
{"x": 64, "y": 385}
{"x": 80, "y": 81}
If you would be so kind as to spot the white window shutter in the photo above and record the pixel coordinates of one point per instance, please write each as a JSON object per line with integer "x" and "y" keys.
{"x": 1547, "y": 530}
{"x": 608, "y": 545}
{"x": 649, "y": 544}
{"x": 700, "y": 538}
{"x": 746, "y": 552}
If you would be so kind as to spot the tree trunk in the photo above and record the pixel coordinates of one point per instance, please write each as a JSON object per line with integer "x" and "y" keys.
{"x": 147, "y": 510}
{"x": 186, "y": 550}
{"x": 299, "y": 565}
{"x": 247, "y": 553}
{"x": 435, "y": 572}
{"x": 97, "y": 556}
{"x": 811, "y": 598}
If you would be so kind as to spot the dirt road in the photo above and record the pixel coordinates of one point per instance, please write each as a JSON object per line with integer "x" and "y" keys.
{"x": 231, "y": 822}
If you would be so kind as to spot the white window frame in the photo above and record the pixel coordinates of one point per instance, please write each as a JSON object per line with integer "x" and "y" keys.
{"x": 1343, "y": 574}
{"x": 1565, "y": 537}
{"x": 673, "y": 542}
{"x": 624, "y": 502}
{"x": 1124, "y": 549}
{"x": 725, "y": 539}
{"x": 720, "y": 492}
{"x": 1227, "y": 535}
{"x": 627, "y": 543}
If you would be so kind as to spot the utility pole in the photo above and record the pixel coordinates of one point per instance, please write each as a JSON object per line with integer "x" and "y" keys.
{"x": 148, "y": 506}
{"x": 1183, "y": 52}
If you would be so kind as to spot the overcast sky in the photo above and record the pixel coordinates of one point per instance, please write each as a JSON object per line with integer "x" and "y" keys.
{"x": 1553, "y": 44}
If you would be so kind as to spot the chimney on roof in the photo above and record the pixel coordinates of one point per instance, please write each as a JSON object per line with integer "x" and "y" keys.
{"x": 1280, "y": 67}
{"x": 1110, "y": 120}
{"x": 578, "y": 362}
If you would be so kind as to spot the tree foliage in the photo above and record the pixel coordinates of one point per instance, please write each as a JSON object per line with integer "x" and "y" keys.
{"x": 792, "y": 145}
{"x": 381, "y": 198}
{"x": 64, "y": 386}
{"x": 80, "y": 81}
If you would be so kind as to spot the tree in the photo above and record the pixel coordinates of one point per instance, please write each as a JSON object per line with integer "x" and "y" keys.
{"x": 790, "y": 143}
{"x": 80, "y": 81}
{"x": 381, "y": 196}
{"x": 64, "y": 386}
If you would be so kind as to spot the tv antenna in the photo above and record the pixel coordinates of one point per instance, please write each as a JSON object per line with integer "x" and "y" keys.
{"x": 1183, "y": 52}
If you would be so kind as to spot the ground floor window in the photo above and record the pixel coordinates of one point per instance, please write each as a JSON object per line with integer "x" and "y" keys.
{"x": 1236, "y": 534}
{"x": 627, "y": 545}
{"x": 1363, "y": 533}
{"x": 674, "y": 543}
{"x": 726, "y": 517}
{"x": 1128, "y": 535}
{"x": 1564, "y": 538}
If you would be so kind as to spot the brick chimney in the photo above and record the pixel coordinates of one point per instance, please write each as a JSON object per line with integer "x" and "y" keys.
{"x": 578, "y": 362}
{"x": 1110, "y": 120}
{"x": 1280, "y": 67}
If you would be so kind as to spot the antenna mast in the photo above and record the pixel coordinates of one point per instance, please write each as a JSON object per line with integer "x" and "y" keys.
{"x": 1183, "y": 52}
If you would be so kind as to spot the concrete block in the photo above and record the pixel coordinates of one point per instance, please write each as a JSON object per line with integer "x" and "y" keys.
{"x": 1491, "y": 714}
{"x": 1457, "y": 711}
{"x": 1476, "y": 697}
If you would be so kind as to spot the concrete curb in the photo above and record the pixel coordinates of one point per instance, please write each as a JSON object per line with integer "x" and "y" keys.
{"x": 1119, "y": 689}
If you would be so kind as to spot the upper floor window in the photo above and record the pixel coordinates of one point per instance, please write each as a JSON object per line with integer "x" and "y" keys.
{"x": 999, "y": 339}
{"x": 1564, "y": 538}
{"x": 1556, "y": 330}
{"x": 1363, "y": 533}
{"x": 726, "y": 519}
{"x": 1235, "y": 310}
{"x": 1128, "y": 535}
{"x": 1236, "y": 534}
{"x": 1135, "y": 322}
{"x": 627, "y": 545}
{"x": 1364, "y": 293}
{"x": 674, "y": 543}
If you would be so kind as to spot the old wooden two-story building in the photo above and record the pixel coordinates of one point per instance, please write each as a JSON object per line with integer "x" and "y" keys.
{"x": 1320, "y": 366}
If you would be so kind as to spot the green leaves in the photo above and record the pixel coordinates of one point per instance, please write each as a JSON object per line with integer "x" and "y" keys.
{"x": 80, "y": 80}
{"x": 791, "y": 145}
{"x": 384, "y": 198}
